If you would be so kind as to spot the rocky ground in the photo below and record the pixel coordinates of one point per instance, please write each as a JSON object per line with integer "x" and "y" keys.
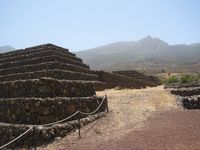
{"x": 138, "y": 119}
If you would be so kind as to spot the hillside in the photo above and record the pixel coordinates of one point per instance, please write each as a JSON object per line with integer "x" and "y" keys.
{"x": 151, "y": 55}
{"x": 6, "y": 49}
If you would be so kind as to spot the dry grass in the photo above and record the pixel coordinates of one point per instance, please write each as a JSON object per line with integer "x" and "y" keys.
{"x": 129, "y": 108}
{"x": 133, "y": 106}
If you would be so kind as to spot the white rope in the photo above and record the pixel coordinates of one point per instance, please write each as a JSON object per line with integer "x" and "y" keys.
{"x": 49, "y": 124}
{"x": 84, "y": 113}
{"x": 16, "y": 138}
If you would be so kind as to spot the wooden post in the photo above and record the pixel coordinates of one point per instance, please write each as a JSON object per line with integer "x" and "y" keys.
{"x": 106, "y": 100}
{"x": 79, "y": 126}
{"x": 34, "y": 138}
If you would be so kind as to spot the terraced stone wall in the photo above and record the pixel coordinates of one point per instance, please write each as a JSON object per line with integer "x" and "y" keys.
{"x": 140, "y": 76}
{"x": 38, "y": 60}
{"x": 190, "y": 91}
{"x": 44, "y": 66}
{"x": 46, "y": 87}
{"x": 40, "y": 85}
{"x": 46, "y": 110}
{"x": 42, "y": 135}
{"x": 191, "y": 103}
{"x": 114, "y": 80}
{"x": 54, "y": 73}
{"x": 188, "y": 95}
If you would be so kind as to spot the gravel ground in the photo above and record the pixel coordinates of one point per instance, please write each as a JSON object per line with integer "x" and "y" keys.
{"x": 138, "y": 119}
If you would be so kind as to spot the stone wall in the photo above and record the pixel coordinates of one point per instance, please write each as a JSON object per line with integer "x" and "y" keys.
{"x": 140, "y": 76}
{"x": 186, "y": 91}
{"x": 46, "y": 87}
{"x": 47, "y": 52}
{"x": 44, "y": 84}
{"x": 115, "y": 80}
{"x": 43, "y": 135}
{"x": 54, "y": 73}
{"x": 34, "y": 49}
{"x": 188, "y": 94}
{"x": 43, "y": 59}
{"x": 45, "y": 66}
{"x": 189, "y": 102}
{"x": 183, "y": 85}
{"x": 46, "y": 110}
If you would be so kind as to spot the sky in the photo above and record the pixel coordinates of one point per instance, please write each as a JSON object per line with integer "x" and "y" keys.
{"x": 83, "y": 24}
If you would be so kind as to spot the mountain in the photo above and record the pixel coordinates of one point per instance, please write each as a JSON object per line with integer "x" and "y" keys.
{"x": 151, "y": 55}
{"x": 6, "y": 49}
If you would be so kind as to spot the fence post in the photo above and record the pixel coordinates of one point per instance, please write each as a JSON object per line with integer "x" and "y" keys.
{"x": 106, "y": 100}
{"x": 34, "y": 138}
{"x": 79, "y": 126}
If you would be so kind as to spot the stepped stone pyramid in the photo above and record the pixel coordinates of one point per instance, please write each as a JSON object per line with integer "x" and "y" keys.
{"x": 139, "y": 76}
{"x": 43, "y": 84}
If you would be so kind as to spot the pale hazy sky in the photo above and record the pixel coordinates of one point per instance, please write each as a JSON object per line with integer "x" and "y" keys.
{"x": 83, "y": 24}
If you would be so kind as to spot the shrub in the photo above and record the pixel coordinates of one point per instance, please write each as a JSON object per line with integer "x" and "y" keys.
{"x": 171, "y": 80}
{"x": 189, "y": 78}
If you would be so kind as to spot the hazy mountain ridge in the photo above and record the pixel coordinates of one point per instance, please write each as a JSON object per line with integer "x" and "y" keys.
{"x": 6, "y": 48}
{"x": 148, "y": 54}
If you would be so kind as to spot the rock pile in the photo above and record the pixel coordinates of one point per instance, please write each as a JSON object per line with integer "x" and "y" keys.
{"x": 44, "y": 84}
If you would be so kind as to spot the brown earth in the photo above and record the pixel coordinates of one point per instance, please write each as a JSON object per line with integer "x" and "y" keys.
{"x": 138, "y": 119}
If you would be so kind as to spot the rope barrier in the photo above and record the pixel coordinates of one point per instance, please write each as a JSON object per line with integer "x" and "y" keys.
{"x": 16, "y": 138}
{"x": 84, "y": 113}
{"x": 49, "y": 124}
{"x": 53, "y": 123}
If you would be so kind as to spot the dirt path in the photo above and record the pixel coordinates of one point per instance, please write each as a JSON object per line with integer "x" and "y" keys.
{"x": 171, "y": 130}
{"x": 129, "y": 110}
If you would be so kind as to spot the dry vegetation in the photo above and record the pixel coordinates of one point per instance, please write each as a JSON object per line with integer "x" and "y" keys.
{"x": 128, "y": 110}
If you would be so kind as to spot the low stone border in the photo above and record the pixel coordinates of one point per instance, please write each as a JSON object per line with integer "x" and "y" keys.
{"x": 186, "y": 91}
{"x": 189, "y": 102}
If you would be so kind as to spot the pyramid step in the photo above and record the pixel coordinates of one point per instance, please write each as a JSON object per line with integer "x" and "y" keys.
{"x": 46, "y": 110}
{"x": 115, "y": 80}
{"x": 44, "y": 66}
{"x": 49, "y": 46}
{"x": 38, "y": 48}
{"x": 54, "y": 73}
{"x": 42, "y": 60}
{"x": 46, "y": 87}
{"x": 43, "y": 134}
{"x": 43, "y": 53}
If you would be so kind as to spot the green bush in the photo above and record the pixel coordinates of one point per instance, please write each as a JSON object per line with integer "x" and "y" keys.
{"x": 189, "y": 78}
{"x": 171, "y": 80}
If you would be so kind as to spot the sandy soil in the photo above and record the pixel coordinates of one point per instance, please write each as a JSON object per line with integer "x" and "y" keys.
{"x": 129, "y": 112}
